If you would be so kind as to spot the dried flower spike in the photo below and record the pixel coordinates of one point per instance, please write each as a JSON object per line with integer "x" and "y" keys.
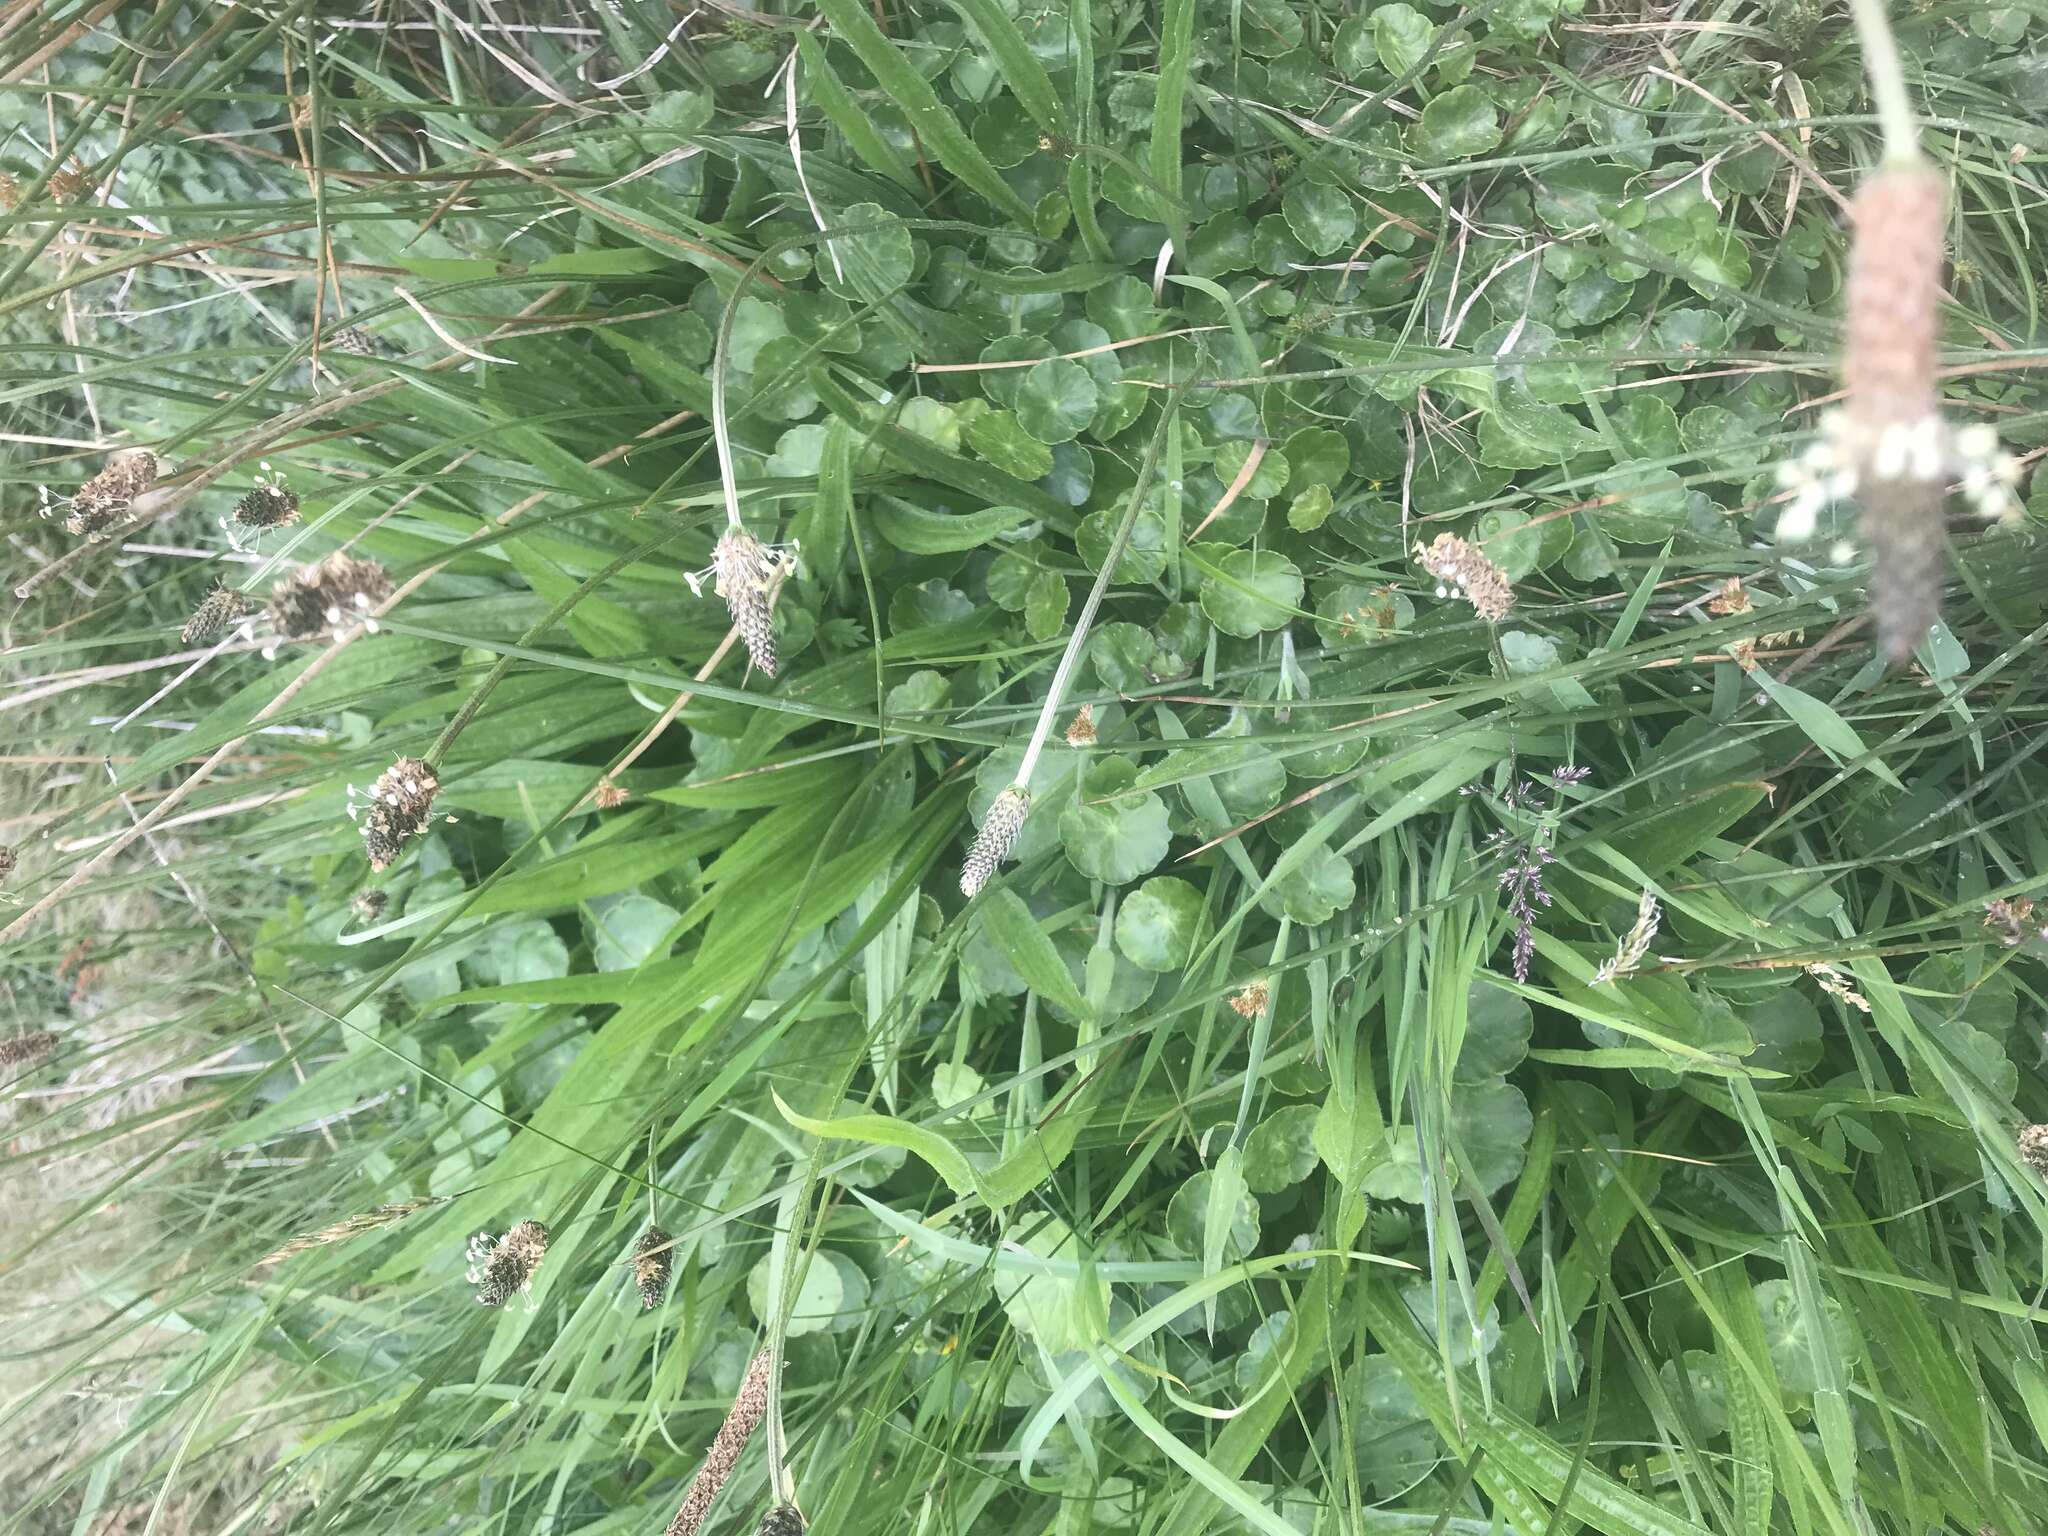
{"x": 326, "y": 597}
{"x": 652, "y": 1258}
{"x": 401, "y": 801}
{"x": 350, "y": 1226}
{"x": 746, "y": 578}
{"x": 369, "y": 904}
{"x": 998, "y": 835}
{"x": 2011, "y": 920}
{"x": 1251, "y": 1001}
{"x": 1081, "y": 729}
{"x": 26, "y": 1050}
{"x": 506, "y": 1268}
{"x": 782, "y": 1520}
{"x": 108, "y": 496}
{"x": 218, "y": 609}
{"x": 1461, "y": 569}
{"x": 7, "y": 863}
{"x": 610, "y": 796}
{"x": 354, "y": 340}
{"x": 2033, "y": 1148}
{"x": 267, "y": 504}
{"x": 749, "y": 1405}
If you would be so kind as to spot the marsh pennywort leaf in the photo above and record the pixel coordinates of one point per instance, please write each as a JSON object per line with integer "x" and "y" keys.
{"x": 1111, "y": 832}
{"x": 1245, "y": 592}
{"x": 1155, "y": 926}
{"x": 1401, "y": 36}
{"x": 1311, "y": 509}
{"x": 1314, "y": 890}
{"x": 1268, "y": 479}
{"x": 1491, "y": 1123}
{"x": 1060, "y": 1314}
{"x": 1512, "y": 540}
{"x": 1354, "y": 614}
{"x": 1497, "y": 1028}
{"x": 1056, "y": 400}
{"x": 1457, "y": 125}
{"x": 873, "y": 264}
{"x": 819, "y": 1299}
{"x": 1317, "y": 456}
{"x": 1001, "y": 439}
{"x": 1790, "y": 1333}
{"x": 1045, "y": 605}
{"x": 1280, "y": 1151}
{"x": 1144, "y": 556}
{"x": 1320, "y": 216}
{"x": 1187, "y": 1216}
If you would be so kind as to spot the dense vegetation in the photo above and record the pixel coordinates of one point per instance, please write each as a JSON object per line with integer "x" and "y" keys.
{"x": 1526, "y": 1031}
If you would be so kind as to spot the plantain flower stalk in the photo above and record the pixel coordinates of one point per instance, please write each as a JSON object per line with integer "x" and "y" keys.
{"x": 741, "y": 1420}
{"x": 1888, "y": 445}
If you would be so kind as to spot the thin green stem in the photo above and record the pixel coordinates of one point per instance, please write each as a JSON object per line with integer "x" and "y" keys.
{"x": 1887, "y": 81}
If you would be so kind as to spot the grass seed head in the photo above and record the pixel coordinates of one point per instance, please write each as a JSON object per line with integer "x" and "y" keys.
{"x": 652, "y": 1257}
{"x": 745, "y": 578}
{"x": 218, "y": 609}
{"x": 401, "y": 801}
{"x": 506, "y": 1268}
{"x": 610, "y": 797}
{"x": 998, "y": 835}
{"x": 1081, "y": 729}
{"x": 1461, "y": 569}
{"x": 782, "y": 1520}
{"x": 749, "y": 1406}
{"x": 2033, "y": 1148}
{"x": 26, "y": 1050}
{"x": 108, "y": 496}
{"x": 326, "y": 597}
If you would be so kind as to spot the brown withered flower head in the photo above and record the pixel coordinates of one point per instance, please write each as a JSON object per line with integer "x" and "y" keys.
{"x": 218, "y": 609}
{"x": 324, "y": 598}
{"x": 2033, "y": 1147}
{"x": 652, "y": 1258}
{"x": 1462, "y": 570}
{"x": 369, "y": 903}
{"x": 749, "y": 1406}
{"x": 610, "y": 796}
{"x": 1081, "y": 729}
{"x": 21, "y": 1051}
{"x": 1250, "y": 1001}
{"x": 400, "y": 803}
{"x": 2012, "y": 920}
{"x": 7, "y": 862}
{"x": 782, "y": 1520}
{"x": 108, "y": 497}
{"x": 269, "y": 503}
{"x": 998, "y": 835}
{"x": 1887, "y": 445}
{"x": 503, "y": 1269}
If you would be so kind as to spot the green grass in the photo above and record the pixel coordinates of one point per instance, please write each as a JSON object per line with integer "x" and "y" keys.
{"x": 1212, "y": 1170}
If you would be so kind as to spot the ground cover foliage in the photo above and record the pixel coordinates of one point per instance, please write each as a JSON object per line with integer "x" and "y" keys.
{"x": 1527, "y": 1033}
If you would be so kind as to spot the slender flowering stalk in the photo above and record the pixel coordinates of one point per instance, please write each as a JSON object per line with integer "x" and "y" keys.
{"x": 744, "y": 1417}
{"x": 1006, "y": 815}
{"x": 350, "y": 1227}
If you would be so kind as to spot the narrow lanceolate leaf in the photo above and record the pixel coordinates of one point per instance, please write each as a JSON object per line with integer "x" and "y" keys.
{"x": 1522, "y": 1464}
{"x": 1176, "y": 41}
{"x": 1022, "y": 72}
{"x": 828, "y": 93}
{"x": 946, "y": 1160}
{"x": 934, "y": 121}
